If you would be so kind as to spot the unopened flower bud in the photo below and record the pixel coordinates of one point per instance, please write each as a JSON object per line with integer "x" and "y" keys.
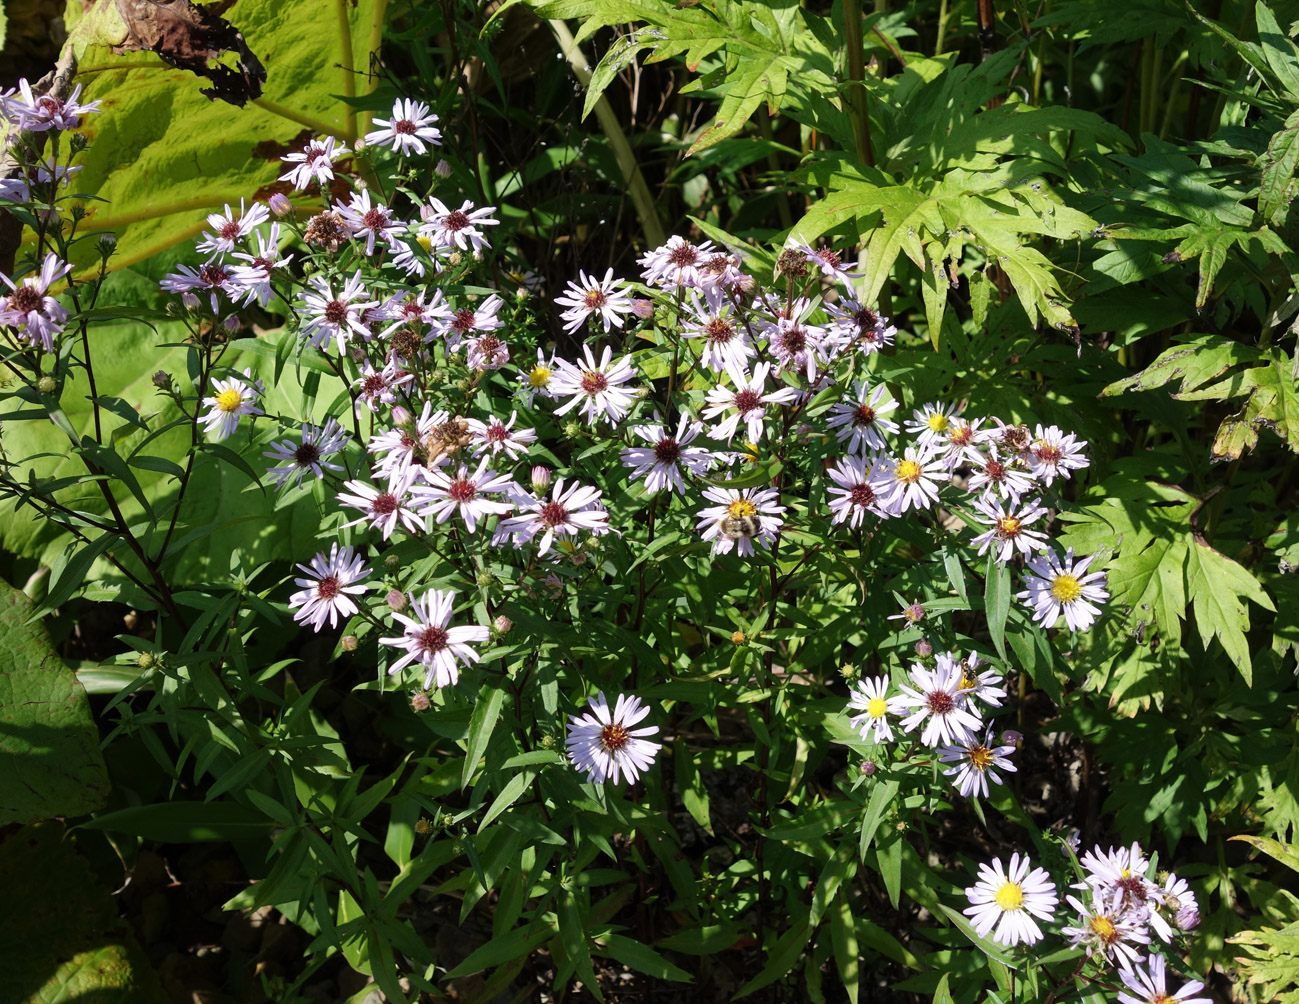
{"x": 419, "y": 701}
{"x": 455, "y": 258}
{"x": 392, "y": 562}
{"x": 232, "y": 323}
{"x": 924, "y": 649}
{"x": 106, "y": 244}
{"x": 400, "y": 415}
{"x": 280, "y": 204}
{"x": 486, "y": 579}
{"x": 868, "y": 768}
{"x": 47, "y": 385}
{"x": 738, "y": 637}
{"x": 349, "y": 642}
{"x": 145, "y": 660}
{"x": 463, "y": 384}
{"x": 847, "y": 670}
{"x": 1012, "y": 738}
{"x": 162, "y": 380}
{"x": 190, "y": 299}
{"x": 396, "y": 600}
{"x": 546, "y": 742}
{"x": 572, "y": 430}
{"x": 540, "y": 478}
{"x": 423, "y": 828}
{"x": 357, "y": 353}
{"x": 443, "y": 169}
{"x": 644, "y": 309}
{"x": 502, "y": 624}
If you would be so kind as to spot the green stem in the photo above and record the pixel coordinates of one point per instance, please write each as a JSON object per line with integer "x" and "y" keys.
{"x": 855, "y": 100}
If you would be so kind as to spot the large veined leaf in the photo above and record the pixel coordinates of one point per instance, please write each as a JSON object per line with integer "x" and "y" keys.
{"x": 50, "y": 764}
{"x": 163, "y": 154}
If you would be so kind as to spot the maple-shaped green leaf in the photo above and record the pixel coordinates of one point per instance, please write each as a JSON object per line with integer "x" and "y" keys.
{"x": 50, "y": 764}
{"x": 1192, "y": 364}
{"x": 1277, "y": 184}
{"x": 1218, "y": 588}
{"x": 1212, "y": 242}
{"x": 1272, "y": 401}
{"x": 62, "y": 937}
{"x": 1271, "y": 962}
{"x": 163, "y": 155}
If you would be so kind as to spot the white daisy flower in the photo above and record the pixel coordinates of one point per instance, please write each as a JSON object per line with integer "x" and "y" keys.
{"x": 858, "y": 420}
{"x": 464, "y": 493}
{"x": 1065, "y": 587}
{"x": 326, "y": 594}
{"x": 1008, "y": 899}
{"x": 565, "y": 513}
{"x": 748, "y": 402}
{"x": 373, "y": 222}
{"x": 605, "y": 746}
{"x": 41, "y": 112}
{"x": 229, "y": 229}
{"x": 429, "y": 640}
{"x": 1055, "y": 453}
{"x": 501, "y": 437}
{"x": 1175, "y": 896}
{"x": 487, "y": 352}
{"x": 448, "y": 228}
{"x": 984, "y": 685}
{"x": 325, "y": 316}
{"x": 1106, "y": 928}
{"x": 714, "y": 320}
{"x": 231, "y": 399}
{"x": 1008, "y": 531}
{"x": 826, "y": 260}
{"x": 676, "y": 263}
{"x": 606, "y": 299}
{"x": 307, "y": 456}
{"x": 976, "y": 760}
{"x": 535, "y": 380}
{"x": 254, "y": 278}
{"x": 870, "y": 698}
{"x": 381, "y": 508}
{"x": 660, "y": 463}
{"x": 1150, "y": 986}
{"x": 940, "y": 706}
{"x": 860, "y": 487}
{"x": 931, "y": 422}
{"x": 471, "y": 322}
{"x": 853, "y": 324}
{"x": 375, "y": 388}
{"x": 913, "y": 481}
{"x": 739, "y": 518}
{"x": 314, "y": 163}
{"x": 597, "y": 388}
{"x": 992, "y": 477}
{"x": 795, "y": 344}
{"x": 961, "y": 442}
{"x": 409, "y": 128}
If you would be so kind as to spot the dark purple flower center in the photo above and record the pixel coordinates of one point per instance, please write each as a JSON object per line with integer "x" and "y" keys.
{"x": 940, "y": 702}
{"x": 666, "y": 451}
{"x": 862, "y": 495}
{"x": 456, "y": 220}
{"x": 593, "y": 382}
{"x": 328, "y": 587}
{"x": 747, "y": 400}
{"x": 433, "y": 638}
{"x": 306, "y": 454}
{"x": 552, "y": 514}
{"x": 461, "y": 490}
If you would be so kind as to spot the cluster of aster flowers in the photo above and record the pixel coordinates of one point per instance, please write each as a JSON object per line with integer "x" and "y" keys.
{"x": 1121, "y": 910}
{"x": 943, "y": 702}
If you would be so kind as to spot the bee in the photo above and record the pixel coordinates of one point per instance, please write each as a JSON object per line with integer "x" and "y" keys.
{"x": 736, "y": 527}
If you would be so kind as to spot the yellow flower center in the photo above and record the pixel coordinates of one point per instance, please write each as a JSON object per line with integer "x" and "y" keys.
{"x": 968, "y": 682}
{"x": 1008, "y": 526}
{"x": 740, "y": 508}
{"x": 1066, "y": 588}
{"x": 1010, "y": 896}
{"x": 980, "y": 757}
{"x": 1104, "y": 929}
{"x": 877, "y": 708}
{"x": 908, "y": 471}
{"x": 229, "y": 400}
{"x": 539, "y": 377}
{"x": 937, "y": 422}
{"x": 424, "y": 241}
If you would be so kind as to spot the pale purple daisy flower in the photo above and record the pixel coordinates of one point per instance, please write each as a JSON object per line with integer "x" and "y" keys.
{"x": 469, "y": 322}
{"x": 564, "y": 513}
{"x": 213, "y": 278}
{"x": 795, "y": 344}
{"x": 536, "y": 379}
{"x": 463, "y": 493}
{"x": 381, "y": 508}
{"x": 1055, "y": 453}
{"x": 660, "y": 463}
{"x": 714, "y": 320}
{"x": 30, "y": 309}
{"x": 448, "y": 228}
{"x": 993, "y": 477}
{"x": 940, "y": 706}
{"x": 930, "y": 423}
{"x": 605, "y": 746}
{"x": 1150, "y": 986}
{"x": 500, "y": 437}
{"x": 675, "y": 263}
{"x": 409, "y": 128}
{"x": 858, "y": 421}
{"x": 1106, "y": 928}
{"x": 606, "y": 299}
{"x": 913, "y": 480}
{"x": 853, "y": 324}
{"x": 376, "y": 388}
{"x": 326, "y": 316}
{"x": 825, "y": 260}
{"x": 314, "y": 163}
{"x": 228, "y": 229}
{"x": 41, "y": 112}
{"x": 598, "y": 388}
{"x": 254, "y": 278}
{"x": 373, "y": 222}
{"x": 1065, "y": 588}
{"x": 860, "y": 487}
{"x": 332, "y": 580}
{"x": 307, "y": 456}
{"x": 486, "y": 352}
{"x": 976, "y": 761}
{"x": 1008, "y": 899}
{"x": 1008, "y": 530}
{"x": 748, "y": 403}
{"x": 429, "y": 640}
